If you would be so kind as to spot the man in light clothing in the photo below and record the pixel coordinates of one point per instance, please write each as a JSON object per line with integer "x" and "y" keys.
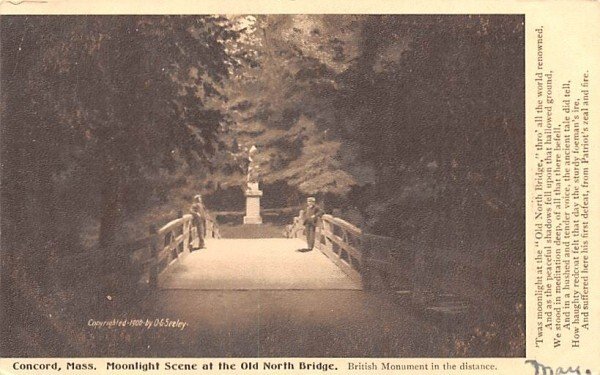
{"x": 199, "y": 218}
{"x": 312, "y": 214}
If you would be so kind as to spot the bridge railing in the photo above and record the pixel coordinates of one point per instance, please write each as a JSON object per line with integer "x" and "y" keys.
{"x": 336, "y": 238}
{"x": 145, "y": 257}
{"x": 296, "y": 229}
{"x": 386, "y": 263}
{"x": 172, "y": 242}
{"x": 341, "y": 242}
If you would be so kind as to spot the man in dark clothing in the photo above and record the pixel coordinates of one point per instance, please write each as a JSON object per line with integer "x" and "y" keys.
{"x": 199, "y": 217}
{"x": 312, "y": 214}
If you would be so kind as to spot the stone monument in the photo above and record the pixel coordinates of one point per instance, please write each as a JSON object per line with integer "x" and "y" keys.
{"x": 253, "y": 192}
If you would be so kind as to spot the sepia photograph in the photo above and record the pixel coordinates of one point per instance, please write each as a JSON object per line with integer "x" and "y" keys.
{"x": 262, "y": 186}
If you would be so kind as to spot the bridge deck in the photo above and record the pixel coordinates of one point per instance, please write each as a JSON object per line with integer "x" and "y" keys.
{"x": 262, "y": 298}
{"x": 254, "y": 264}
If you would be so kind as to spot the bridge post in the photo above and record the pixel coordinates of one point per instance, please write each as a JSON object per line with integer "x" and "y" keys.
{"x": 153, "y": 269}
{"x": 186, "y": 235}
{"x": 209, "y": 229}
{"x": 328, "y": 232}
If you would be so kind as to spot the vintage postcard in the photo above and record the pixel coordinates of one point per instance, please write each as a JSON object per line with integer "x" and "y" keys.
{"x": 292, "y": 187}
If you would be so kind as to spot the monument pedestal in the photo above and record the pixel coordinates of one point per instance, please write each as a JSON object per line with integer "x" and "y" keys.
{"x": 253, "y": 195}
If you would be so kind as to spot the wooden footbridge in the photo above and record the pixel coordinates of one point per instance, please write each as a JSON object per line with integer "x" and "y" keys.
{"x": 354, "y": 295}
{"x": 344, "y": 259}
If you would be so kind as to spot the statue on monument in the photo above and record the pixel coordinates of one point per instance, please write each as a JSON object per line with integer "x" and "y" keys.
{"x": 253, "y": 192}
{"x": 252, "y": 179}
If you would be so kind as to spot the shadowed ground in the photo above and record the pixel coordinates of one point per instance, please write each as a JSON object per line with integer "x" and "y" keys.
{"x": 293, "y": 323}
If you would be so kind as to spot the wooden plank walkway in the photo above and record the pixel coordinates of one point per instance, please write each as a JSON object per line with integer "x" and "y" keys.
{"x": 256, "y": 264}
